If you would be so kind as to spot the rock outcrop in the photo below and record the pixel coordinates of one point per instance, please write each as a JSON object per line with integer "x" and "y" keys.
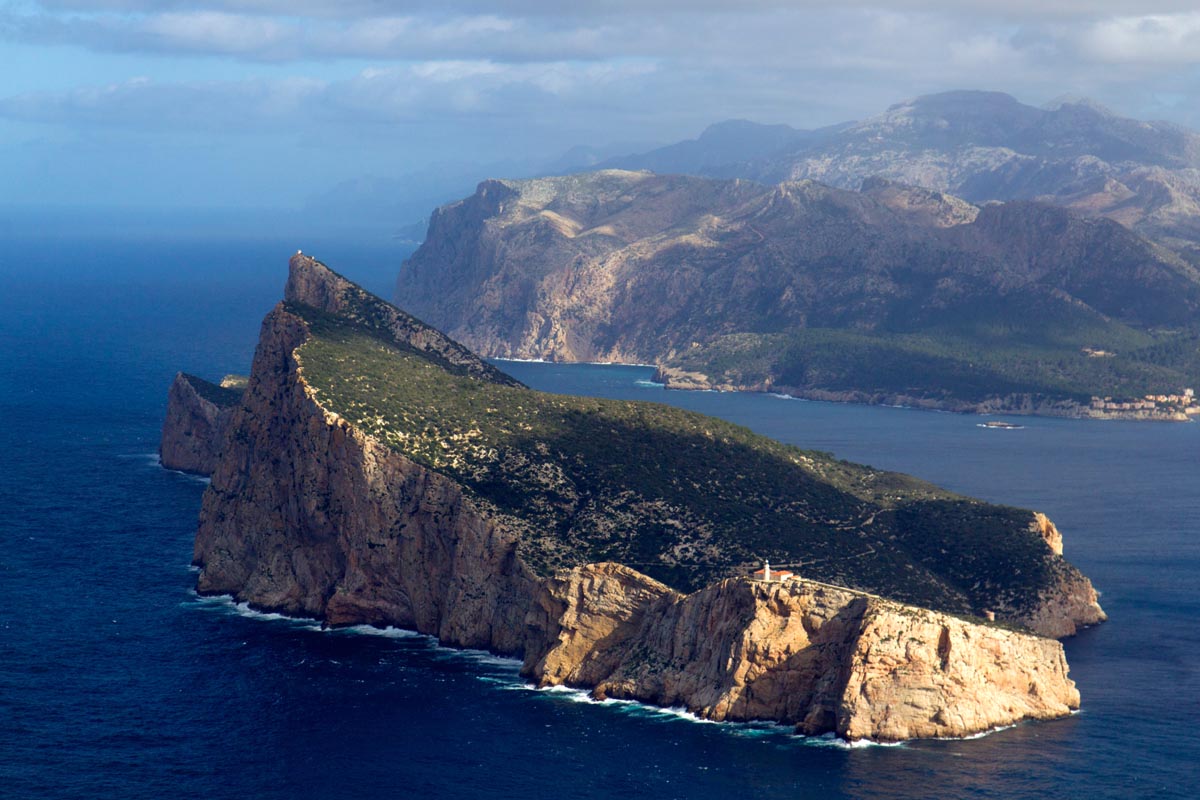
{"x": 820, "y": 657}
{"x": 198, "y": 414}
{"x": 308, "y": 516}
{"x": 309, "y": 513}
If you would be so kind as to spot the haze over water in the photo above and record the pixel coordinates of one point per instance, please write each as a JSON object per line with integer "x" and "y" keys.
{"x": 117, "y": 682}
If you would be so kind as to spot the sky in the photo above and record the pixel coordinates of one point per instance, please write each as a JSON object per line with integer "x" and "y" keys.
{"x": 232, "y": 104}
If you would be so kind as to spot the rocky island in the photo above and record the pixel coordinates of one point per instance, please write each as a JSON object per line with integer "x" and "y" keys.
{"x": 377, "y": 472}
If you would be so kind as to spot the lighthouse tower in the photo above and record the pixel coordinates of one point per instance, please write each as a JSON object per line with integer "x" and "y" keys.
{"x": 768, "y": 574}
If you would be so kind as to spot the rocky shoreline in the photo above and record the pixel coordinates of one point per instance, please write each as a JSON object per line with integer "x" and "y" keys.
{"x": 308, "y": 515}
{"x": 1016, "y": 405}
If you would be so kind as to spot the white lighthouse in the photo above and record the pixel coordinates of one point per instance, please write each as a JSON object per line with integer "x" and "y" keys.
{"x": 767, "y": 574}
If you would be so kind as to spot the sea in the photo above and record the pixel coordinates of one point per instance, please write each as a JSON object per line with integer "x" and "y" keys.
{"x": 117, "y": 681}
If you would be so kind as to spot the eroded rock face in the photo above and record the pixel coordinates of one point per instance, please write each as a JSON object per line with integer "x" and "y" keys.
{"x": 309, "y": 516}
{"x": 198, "y": 414}
{"x": 823, "y": 658}
{"x": 1048, "y": 531}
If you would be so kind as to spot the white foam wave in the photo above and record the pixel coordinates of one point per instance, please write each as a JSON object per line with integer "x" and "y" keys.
{"x": 667, "y": 714}
{"x": 153, "y": 460}
{"x": 487, "y": 659}
{"x": 978, "y": 735}
{"x": 648, "y": 384}
{"x": 226, "y": 603}
{"x": 835, "y": 741}
{"x": 370, "y": 630}
{"x": 511, "y": 681}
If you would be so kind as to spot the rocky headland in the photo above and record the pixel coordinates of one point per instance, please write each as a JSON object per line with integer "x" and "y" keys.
{"x": 198, "y": 414}
{"x": 893, "y": 294}
{"x": 376, "y": 472}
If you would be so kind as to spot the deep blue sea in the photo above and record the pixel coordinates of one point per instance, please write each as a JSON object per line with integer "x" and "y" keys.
{"x": 116, "y": 681}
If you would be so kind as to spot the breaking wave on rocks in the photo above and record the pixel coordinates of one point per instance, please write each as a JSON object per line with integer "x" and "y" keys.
{"x": 227, "y": 604}
{"x": 503, "y": 673}
{"x": 153, "y": 460}
{"x": 753, "y": 729}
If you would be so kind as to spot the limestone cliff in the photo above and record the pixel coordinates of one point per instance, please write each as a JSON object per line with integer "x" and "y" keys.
{"x": 308, "y": 516}
{"x": 889, "y": 292}
{"x": 198, "y": 414}
{"x": 820, "y": 657}
{"x": 316, "y": 508}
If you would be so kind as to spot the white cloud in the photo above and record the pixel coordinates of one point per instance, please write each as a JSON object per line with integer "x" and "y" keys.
{"x": 384, "y": 82}
{"x": 444, "y": 90}
{"x": 1152, "y": 39}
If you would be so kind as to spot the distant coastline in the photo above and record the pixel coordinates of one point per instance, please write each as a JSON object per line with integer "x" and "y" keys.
{"x": 1017, "y": 405}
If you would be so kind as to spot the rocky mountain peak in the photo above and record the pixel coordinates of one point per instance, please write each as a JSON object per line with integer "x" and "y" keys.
{"x": 311, "y": 283}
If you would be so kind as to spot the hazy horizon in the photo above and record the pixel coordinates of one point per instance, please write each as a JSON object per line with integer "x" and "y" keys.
{"x": 260, "y": 104}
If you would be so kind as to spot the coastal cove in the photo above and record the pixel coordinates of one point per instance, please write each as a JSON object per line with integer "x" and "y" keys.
{"x": 135, "y": 674}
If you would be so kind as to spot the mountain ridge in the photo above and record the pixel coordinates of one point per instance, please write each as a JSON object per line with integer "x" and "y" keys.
{"x": 690, "y": 272}
{"x": 986, "y": 146}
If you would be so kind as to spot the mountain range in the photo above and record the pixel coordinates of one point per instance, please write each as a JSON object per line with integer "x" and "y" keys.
{"x": 893, "y": 293}
{"x": 980, "y": 146}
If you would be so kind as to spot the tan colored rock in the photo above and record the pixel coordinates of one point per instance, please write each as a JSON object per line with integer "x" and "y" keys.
{"x": 1048, "y": 531}
{"x": 307, "y": 516}
{"x": 823, "y": 658}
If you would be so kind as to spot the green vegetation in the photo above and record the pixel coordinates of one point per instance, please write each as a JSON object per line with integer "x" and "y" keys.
{"x": 217, "y": 395}
{"x": 947, "y": 366}
{"x": 684, "y": 498}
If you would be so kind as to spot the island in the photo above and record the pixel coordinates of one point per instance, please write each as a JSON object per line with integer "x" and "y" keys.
{"x": 374, "y": 471}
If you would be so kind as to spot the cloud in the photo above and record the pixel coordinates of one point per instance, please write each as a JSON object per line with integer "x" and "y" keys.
{"x": 288, "y": 38}
{"x": 391, "y": 84}
{"x": 1152, "y": 39}
{"x": 448, "y": 91}
{"x": 556, "y": 8}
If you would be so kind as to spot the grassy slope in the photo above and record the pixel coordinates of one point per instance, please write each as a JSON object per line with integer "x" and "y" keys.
{"x": 682, "y": 497}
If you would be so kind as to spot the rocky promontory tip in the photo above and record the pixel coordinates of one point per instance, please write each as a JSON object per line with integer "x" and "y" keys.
{"x": 376, "y": 472}
{"x": 198, "y": 414}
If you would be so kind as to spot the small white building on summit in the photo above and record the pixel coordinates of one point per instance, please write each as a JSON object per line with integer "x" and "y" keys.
{"x": 768, "y": 574}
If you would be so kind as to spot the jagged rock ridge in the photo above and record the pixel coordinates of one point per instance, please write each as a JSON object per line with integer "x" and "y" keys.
{"x": 314, "y": 511}
{"x": 893, "y": 293}
{"x": 981, "y": 146}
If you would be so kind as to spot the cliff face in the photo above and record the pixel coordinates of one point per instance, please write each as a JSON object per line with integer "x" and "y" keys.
{"x": 894, "y": 291}
{"x": 311, "y": 513}
{"x": 198, "y": 414}
{"x": 308, "y": 516}
{"x": 820, "y": 657}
